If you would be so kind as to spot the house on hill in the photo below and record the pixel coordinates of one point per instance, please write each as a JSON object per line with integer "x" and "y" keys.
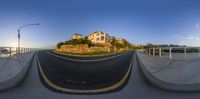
{"x": 99, "y": 37}
{"x": 77, "y": 36}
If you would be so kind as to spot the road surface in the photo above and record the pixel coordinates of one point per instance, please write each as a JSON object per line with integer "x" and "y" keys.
{"x": 84, "y": 77}
{"x": 137, "y": 88}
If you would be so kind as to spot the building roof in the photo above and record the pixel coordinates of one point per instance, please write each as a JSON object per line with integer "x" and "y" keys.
{"x": 99, "y": 32}
{"x": 96, "y": 32}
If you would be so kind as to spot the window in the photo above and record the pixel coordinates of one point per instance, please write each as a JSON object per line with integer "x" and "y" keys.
{"x": 102, "y": 38}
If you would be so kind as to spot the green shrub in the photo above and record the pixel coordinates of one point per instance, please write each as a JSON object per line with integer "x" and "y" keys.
{"x": 59, "y": 44}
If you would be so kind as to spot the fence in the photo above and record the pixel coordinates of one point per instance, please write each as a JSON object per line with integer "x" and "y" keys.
{"x": 9, "y": 51}
{"x": 174, "y": 52}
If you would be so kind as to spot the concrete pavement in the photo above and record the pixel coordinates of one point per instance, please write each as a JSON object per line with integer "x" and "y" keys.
{"x": 178, "y": 74}
{"x": 13, "y": 69}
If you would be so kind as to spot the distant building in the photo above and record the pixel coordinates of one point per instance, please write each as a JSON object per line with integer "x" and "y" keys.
{"x": 99, "y": 37}
{"x": 77, "y": 36}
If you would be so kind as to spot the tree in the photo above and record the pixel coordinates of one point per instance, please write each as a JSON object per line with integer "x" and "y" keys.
{"x": 78, "y": 41}
{"x": 67, "y": 43}
{"x": 85, "y": 41}
{"x": 59, "y": 45}
{"x": 86, "y": 37}
{"x": 118, "y": 45}
{"x": 126, "y": 43}
{"x": 113, "y": 42}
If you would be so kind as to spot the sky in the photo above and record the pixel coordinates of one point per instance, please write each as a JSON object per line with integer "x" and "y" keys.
{"x": 138, "y": 21}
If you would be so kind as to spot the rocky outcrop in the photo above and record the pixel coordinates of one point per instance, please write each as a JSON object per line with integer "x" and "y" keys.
{"x": 83, "y": 48}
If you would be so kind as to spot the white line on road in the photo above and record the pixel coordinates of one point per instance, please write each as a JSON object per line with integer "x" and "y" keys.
{"x": 78, "y": 60}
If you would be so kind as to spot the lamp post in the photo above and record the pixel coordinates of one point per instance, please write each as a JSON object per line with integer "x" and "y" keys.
{"x": 19, "y": 35}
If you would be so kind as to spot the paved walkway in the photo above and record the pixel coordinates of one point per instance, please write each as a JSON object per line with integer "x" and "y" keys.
{"x": 179, "y": 70}
{"x": 10, "y": 67}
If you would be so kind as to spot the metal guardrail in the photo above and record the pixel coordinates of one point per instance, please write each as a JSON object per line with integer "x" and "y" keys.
{"x": 159, "y": 51}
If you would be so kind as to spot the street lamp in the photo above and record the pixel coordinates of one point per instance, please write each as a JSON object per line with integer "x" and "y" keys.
{"x": 19, "y": 35}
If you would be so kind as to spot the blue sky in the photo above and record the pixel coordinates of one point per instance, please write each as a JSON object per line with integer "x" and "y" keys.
{"x": 139, "y": 21}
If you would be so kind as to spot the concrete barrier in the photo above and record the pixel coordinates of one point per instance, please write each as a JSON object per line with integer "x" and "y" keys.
{"x": 164, "y": 84}
{"x": 19, "y": 77}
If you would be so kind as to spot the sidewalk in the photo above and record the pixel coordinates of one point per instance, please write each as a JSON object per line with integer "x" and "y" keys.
{"x": 179, "y": 74}
{"x": 14, "y": 69}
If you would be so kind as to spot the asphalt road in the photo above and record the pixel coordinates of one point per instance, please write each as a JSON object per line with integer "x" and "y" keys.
{"x": 137, "y": 88}
{"x": 85, "y": 75}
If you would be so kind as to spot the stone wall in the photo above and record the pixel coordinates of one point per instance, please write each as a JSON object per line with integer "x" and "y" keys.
{"x": 82, "y": 48}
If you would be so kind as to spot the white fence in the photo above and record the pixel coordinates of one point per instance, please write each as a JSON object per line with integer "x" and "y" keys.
{"x": 174, "y": 52}
{"x": 10, "y": 51}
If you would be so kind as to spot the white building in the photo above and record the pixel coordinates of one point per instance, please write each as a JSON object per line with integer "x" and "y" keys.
{"x": 99, "y": 37}
{"x": 77, "y": 36}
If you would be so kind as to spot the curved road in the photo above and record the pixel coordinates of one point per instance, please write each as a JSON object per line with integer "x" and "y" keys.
{"x": 80, "y": 76}
{"x": 137, "y": 87}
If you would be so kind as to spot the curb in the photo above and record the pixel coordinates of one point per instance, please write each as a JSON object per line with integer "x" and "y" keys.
{"x": 166, "y": 85}
{"x": 18, "y": 78}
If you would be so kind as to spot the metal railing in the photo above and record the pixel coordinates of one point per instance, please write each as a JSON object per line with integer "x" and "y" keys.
{"x": 170, "y": 51}
{"x": 10, "y": 51}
